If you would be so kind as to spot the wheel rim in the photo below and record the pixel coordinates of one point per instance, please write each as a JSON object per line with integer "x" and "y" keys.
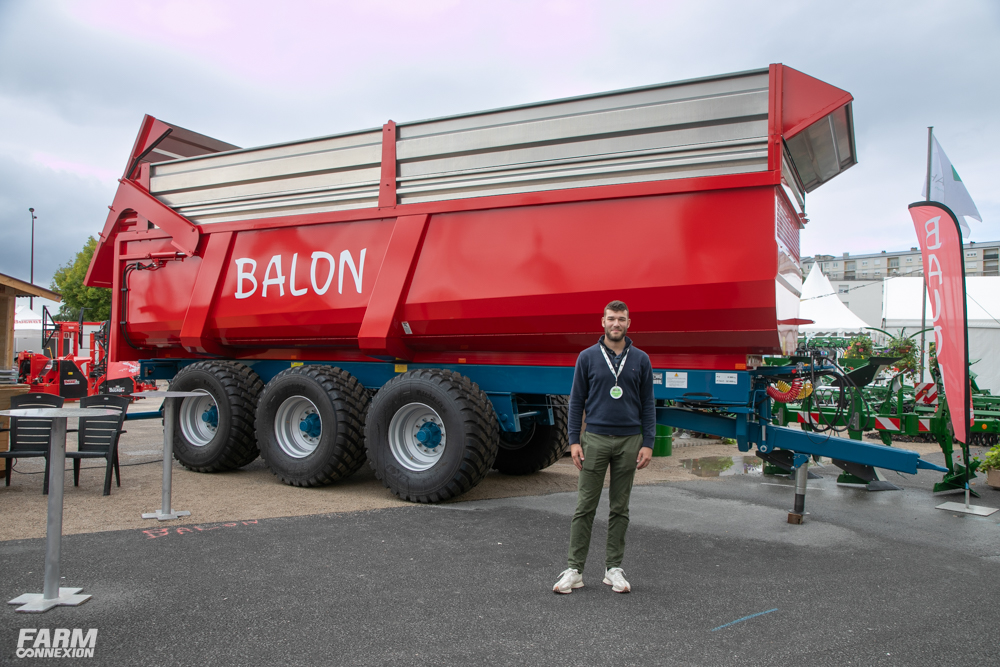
{"x": 417, "y": 437}
{"x": 199, "y": 419}
{"x": 298, "y": 427}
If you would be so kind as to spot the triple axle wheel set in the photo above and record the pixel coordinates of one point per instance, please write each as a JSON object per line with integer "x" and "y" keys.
{"x": 429, "y": 434}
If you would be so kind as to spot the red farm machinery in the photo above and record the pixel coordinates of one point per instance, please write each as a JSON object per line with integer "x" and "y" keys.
{"x": 62, "y": 367}
{"x": 416, "y": 294}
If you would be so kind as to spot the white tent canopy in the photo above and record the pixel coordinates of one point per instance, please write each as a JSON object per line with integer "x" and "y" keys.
{"x": 820, "y": 304}
{"x": 26, "y": 319}
{"x": 901, "y": 309}
{"x": 901, "y": 300}
{"x": 27, "y": 329}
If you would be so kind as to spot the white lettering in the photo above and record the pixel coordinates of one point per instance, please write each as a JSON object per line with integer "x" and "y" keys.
{"x": 932, "y": 229}
{"x": 60, "y": 638}
{"x": 57, "y": 643}
{"x": 24, "y": 635}
{"x": 934, "y": 269}
{"x": 84, "y": 641}
{"x": 241, "y": 275}
{"x": 938, "y": 338}
{"x": 279, "y": 280}
{"x": 359, "y": 272}
{"x": 319, "y": 254}
{"x": 43, "y": 639}
{"x": 291, "y": 279}
{"x": 274, "y": 275}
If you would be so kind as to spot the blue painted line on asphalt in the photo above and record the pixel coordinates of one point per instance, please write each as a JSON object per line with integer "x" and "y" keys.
{"x": 745, "y": 618}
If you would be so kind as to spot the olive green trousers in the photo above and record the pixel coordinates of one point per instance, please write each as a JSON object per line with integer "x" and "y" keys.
{"x": 619, "y": 452}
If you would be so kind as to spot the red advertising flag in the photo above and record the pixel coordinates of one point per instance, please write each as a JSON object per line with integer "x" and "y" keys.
{"x": 940, "y": 240}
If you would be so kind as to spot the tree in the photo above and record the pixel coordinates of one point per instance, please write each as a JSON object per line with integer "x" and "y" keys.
{"x": 68, "y": 281}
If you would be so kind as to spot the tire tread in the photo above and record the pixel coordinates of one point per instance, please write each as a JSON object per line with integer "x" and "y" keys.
{"x": 552, "y": 443}
{"x": 243, "y": 387}
{"x": 351, "y": 401}
{"x": 481, "y": 429}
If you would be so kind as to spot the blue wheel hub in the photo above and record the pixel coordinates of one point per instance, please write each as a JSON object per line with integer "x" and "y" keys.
{"x": 429, "y": 435}
{"x": 211, "y": 417}
{"x": 311, "y": 425}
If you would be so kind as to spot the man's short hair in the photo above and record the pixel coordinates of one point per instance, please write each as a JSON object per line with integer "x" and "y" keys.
{"x": 616, "y": 306}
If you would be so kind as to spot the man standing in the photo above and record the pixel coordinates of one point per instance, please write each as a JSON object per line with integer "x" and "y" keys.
{"x": 613, "y": 383}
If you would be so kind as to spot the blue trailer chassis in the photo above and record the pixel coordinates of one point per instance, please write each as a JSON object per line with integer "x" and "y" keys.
{"x": 731, "y": 404}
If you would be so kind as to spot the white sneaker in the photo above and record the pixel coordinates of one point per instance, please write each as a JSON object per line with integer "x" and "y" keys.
{"x": 568, "y": 580}
{"x": 615, "y": 577}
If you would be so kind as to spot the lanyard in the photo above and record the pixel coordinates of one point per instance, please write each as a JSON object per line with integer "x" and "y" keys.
{"x": 621, "y": 366}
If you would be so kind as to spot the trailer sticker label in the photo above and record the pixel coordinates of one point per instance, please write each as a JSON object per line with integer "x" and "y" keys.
{"x": 726, "y": 378}
{"x": 677, "y": 380}
{"x": 657, "y": 378}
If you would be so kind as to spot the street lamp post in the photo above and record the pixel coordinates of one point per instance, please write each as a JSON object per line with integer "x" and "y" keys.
{"x": 31, "y": 299}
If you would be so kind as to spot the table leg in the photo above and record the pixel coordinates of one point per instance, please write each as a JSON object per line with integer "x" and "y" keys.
{"x": 53, "y": 529}
{"x": 166, "y": 511}
{"x": 52, "y": 595}
{"x": 168, "y": 453}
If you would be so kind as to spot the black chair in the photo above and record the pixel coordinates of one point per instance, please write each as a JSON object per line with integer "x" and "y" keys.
{"x": 97, "y": 437}
{"x": 30, "y": 437}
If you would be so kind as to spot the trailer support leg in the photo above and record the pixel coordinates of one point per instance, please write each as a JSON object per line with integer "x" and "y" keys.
{"x": 801, "y": 477}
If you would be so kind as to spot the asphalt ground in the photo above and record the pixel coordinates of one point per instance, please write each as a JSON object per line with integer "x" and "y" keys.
{"x": 719, "y": 578}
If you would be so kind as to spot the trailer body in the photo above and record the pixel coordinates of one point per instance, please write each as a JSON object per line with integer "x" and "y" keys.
{"x": 477, "y": 247}
{"x": 492, "y": 237}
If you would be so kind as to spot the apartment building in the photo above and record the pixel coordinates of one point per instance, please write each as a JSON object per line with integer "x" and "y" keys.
{"x": 981, "y": 259}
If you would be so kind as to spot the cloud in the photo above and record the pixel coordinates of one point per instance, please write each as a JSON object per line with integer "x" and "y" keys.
{"x": 66, "y": 205}
{"x": 82, "y": 169}
{"x": 77, "y": 76}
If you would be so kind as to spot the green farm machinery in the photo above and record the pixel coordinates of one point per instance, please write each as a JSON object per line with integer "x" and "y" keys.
{"x": 865, "y": 398}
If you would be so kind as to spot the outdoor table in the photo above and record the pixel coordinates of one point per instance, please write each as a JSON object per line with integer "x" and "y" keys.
{"x": 52, "y": 595}
{"x": 166, "y": 511}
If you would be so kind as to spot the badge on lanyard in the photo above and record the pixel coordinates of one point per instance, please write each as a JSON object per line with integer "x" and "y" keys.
{"x": 616, "y": 391}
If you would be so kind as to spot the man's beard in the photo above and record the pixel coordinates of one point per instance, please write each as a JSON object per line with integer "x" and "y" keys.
{"x": 616, "y": 335}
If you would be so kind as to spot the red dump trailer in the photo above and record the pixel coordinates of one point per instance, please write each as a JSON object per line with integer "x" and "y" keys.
{"x": 416, "y": 294}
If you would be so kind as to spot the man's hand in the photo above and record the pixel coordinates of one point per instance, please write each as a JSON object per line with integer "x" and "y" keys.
{"x": 577, "y": 453}
{"x": 645, "y": 456}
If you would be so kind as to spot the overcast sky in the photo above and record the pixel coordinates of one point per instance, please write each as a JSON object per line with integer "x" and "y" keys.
{"x": 76, "y": 78}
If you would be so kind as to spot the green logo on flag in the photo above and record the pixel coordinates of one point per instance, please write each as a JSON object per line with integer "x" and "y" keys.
{"x": 955, "y": 174}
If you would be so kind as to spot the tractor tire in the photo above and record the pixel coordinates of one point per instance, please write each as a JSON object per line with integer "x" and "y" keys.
{"x": 310, "y": 425}
{"x": 537, "y": 447}
{"x": 431, "y": 435}
{"x": 216, "y": 432}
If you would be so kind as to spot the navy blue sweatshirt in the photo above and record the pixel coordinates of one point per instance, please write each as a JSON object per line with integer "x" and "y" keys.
{"x": 633, "y": 413}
